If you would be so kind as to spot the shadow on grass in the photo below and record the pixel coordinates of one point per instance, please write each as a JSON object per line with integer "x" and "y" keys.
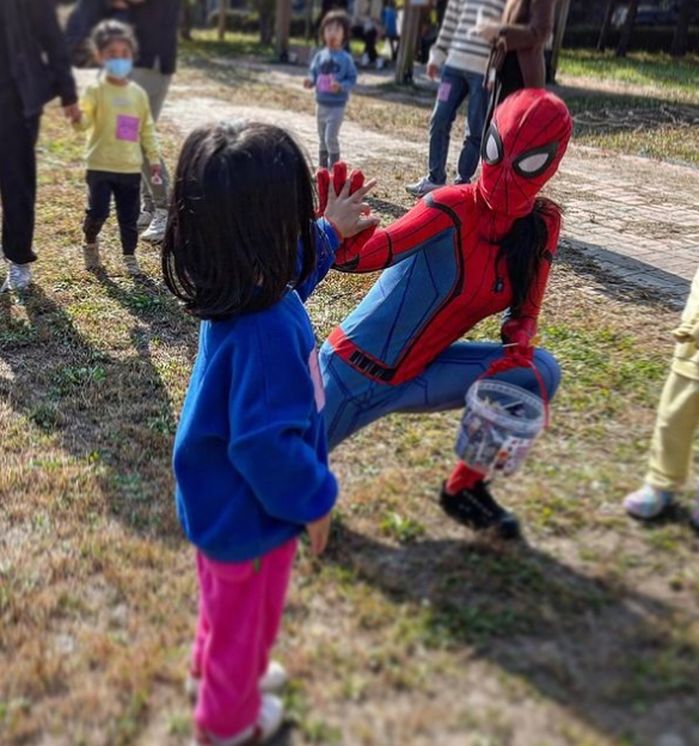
{"x": 609, "y": 654}
{"x": 107, "y": 409}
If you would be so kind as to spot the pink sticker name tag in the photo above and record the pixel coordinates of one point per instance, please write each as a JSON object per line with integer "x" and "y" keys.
{"x": 324, "y": 83}
{"x": 444, "y": 91}
{"x": 319, "y": 391}
{"x": 127, "y": 127}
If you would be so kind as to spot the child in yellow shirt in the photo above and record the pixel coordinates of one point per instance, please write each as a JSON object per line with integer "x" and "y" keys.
{"x": 117, "y": 116}
{"x": 676, "y": 422}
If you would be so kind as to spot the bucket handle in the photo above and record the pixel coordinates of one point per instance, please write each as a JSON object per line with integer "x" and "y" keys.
{"x": 518, "y": 360}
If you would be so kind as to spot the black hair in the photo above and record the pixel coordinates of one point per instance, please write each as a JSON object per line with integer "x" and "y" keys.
{"x": 336, "y": 16}
{"x": 242, "y": 204}
{"x": 108, "y": 31}
{"x": 523, "y": 250}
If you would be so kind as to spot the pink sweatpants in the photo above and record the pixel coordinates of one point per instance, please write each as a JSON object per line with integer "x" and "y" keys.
{"x": 240, "y": 610}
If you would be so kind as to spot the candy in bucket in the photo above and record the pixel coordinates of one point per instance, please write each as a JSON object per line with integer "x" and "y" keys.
{"x": 500, "y": 423}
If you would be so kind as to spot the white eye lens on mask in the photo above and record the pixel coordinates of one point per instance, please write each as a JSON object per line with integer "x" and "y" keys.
{"x": 535, "y": 162}
{"x": 492, "y": 147}
{"x": 118, "y": 68}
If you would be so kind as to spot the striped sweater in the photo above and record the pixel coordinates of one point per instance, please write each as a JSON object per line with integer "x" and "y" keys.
{"x": 457, "y": 45}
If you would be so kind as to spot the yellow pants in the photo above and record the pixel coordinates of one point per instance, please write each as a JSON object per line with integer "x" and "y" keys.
{"x": 677, "y": 419}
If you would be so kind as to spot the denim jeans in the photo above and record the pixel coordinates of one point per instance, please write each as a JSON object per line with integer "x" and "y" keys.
{"x": 455, "y": 85}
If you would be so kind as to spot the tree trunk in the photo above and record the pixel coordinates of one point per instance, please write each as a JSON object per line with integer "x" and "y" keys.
{"x": 281, "y": 30}
{"x": 606, "y": 25}
{"x": 222, "y": 18}
{"x": 408, "y": 41}
{"x": 186, "y": 21}
{"x": 680, "y": 37}
{"x": 560, "y": 28}
{"x": 628, "y": 28}
{"x": 265, "y": 10}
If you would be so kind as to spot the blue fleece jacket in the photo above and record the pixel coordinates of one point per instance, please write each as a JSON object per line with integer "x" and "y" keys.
{"x": 328, "y": 66}
{"x": 250, "y": 454}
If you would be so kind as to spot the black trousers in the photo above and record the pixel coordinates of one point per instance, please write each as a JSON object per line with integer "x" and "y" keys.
{"x": 18, "y": 135}
{"x": 126, "y": 188}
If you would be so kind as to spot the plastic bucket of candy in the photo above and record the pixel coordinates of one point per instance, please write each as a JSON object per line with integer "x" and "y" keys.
{"x": 500, "y": 423}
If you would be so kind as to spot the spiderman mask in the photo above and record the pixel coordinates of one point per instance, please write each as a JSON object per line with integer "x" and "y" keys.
{"x": 522, "y": 148}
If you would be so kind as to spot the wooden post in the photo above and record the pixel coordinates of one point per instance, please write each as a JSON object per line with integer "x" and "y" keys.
{"x": 627, "y": 30}
{"x": 561, "y": 21}
{"x": 681, "y": 35}
{"x": 222, "y": 18}
{"x": 606, "y": 25}
{"x": 408, "y": 41}
{"x": 281, "y": 30}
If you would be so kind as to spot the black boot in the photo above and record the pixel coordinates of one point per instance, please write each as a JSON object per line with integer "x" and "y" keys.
{"x": 478, "y": 509}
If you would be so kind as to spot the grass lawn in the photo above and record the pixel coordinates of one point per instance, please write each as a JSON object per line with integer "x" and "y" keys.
{"x": 410, "y": 630}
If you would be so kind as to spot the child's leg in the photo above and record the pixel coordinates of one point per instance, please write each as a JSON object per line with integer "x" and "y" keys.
{"x": 202, "y": 631}
{"x": 321, "y": 118}
{"x": 277, "y": 574}
{"x": 671, "y": 447}
{"x": 334, "y": 122}
{"x": 99, "y": 194}
{"x": 243, "y": 603}
{"x": 127, "y": 196}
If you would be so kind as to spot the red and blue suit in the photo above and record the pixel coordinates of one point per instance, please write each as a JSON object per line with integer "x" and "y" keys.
{"x": 398, "y": 350}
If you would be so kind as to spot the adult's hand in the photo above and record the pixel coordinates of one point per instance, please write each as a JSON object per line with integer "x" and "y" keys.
{"x": 488, "y": 30}
{"x": 432, "y": 70}
{"x": 72, "y": 113}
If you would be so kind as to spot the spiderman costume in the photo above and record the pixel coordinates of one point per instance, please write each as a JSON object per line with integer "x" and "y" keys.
{"x": 443, "y": 273}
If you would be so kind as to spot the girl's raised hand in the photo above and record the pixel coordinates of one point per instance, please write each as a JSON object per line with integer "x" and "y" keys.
{"x": 349, "y": 213}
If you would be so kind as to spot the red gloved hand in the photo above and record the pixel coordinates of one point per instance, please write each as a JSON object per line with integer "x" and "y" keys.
{"x": 517, "y": 343}
{"x": 339, "y": 177}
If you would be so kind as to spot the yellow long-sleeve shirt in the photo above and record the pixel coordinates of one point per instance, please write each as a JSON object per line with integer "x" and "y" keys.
{"x": 119, "y": 123}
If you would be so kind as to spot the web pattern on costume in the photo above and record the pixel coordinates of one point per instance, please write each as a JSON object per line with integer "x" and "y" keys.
{"x": 441, "y": 276}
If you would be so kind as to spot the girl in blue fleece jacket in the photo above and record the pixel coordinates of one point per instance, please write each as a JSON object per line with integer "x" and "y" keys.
{"x": 242, "y": 250}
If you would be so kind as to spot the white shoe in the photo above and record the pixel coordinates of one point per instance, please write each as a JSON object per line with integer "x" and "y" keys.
{"x": 380, "y": 63}
{"x": 91, "y": 255}
{"x": 131, "y": 265}
{"x": 648, "y": 502}
{"x": 144, "y": 219}
{"x": 422, "y": 187}
{"x": 18, "y": 277}
{"x": 269, "y": 721}
{"x": 273, "y": 679}
{"x": 156, "y": 230}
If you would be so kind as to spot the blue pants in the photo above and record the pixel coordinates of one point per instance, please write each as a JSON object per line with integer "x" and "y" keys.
{"x": 454, "y": 86}
{"x": 353, "y": 400}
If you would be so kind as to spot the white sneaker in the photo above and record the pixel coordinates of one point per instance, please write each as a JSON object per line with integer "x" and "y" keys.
{"x": 422, "y": 187}
{"x": 269, "y": 721}
{"x": 156, "y": 230}
{"x": 91, "y": 255}
{"x": 144, "y": 219}
{"x": 131, "y": 265}
{"x": 18, "y": 277}
{"x": 273, "y": 679}
{"x": 648, "y": 502}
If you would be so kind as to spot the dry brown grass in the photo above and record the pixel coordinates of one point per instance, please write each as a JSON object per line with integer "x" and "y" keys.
{"x": 411, "y": 630}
